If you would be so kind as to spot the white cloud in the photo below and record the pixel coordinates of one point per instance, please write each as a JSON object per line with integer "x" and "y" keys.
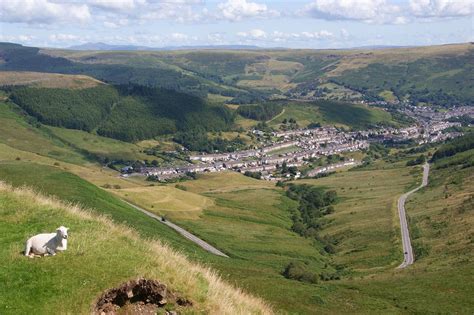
{"x": 178, "y": 11}
{"x": 253, "y": 34}
{"x": 387, "y": 11}
{"x": 237, "y": 10}
{"x": 441, "y": 8}
{"x": 216, "y": 37}
{"x": 116, "y": 23}
{"x": 16, "y": 38}
{"x": 179, "y": 37}
{"x": 279, "y": 37}
{"x": 63, "y": 37}
{"x": 345, "y": 33}
{"x": 43, "y": 12}
{"x": 117, "y": 5}
{"x": 372, "y": 11}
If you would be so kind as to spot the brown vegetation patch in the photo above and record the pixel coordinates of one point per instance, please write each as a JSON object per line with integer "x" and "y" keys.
{"x": 141, "y": 296}
{"x": 47, "y": 80}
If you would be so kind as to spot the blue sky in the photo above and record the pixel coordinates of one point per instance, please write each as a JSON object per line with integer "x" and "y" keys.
{"x": 294, "y": 24}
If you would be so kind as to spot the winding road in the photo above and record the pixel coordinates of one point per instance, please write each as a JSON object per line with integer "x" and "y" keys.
{"x": 407, "y": 249}
{"x": 180, "y": 230}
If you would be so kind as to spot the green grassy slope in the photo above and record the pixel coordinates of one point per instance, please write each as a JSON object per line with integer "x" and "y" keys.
{"x": 249, "y": 220}
{"x": 365, "y": 223}
{"x": 17, "y": 133}
{"x": 69, "y": 187}
{"x": 99, "y": 146}
{"x": 100, "y": 256}
{"x": 329, "y": 112}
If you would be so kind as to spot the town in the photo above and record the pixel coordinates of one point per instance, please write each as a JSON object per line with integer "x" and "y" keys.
{"x": 281, "y": 154}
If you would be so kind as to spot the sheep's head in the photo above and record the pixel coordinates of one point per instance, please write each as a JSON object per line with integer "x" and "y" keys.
{"x": 62, "y": 231}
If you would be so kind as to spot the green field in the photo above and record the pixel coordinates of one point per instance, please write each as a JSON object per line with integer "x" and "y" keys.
{"x": 15, "y": 132}
{"x": 99, "y": 146}
{"x": 332, "y": 113}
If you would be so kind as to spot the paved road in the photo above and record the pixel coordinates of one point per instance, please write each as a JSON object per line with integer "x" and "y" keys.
{"x": 180, "y": 230}
{"x": 407, "y": 250}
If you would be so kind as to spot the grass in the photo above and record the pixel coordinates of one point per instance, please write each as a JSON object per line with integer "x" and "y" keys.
{"x": 441, "y": 219}
{"x": 293, "y": 148}
{"x": 303, "y": 113}
{"x": 249, "y": 220}
{"x": 388, "y": 96}
{"x": 166, "y": 200}
{"x": 71, "y": 281}
{"x": 333, "y": 113}
{"x": 71, "y": 188}
{"x": 365, "y": 222}
{"x": 99, "y": 146}
{"x": 15, "y": 132}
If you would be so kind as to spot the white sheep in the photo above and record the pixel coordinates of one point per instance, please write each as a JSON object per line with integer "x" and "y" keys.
{"x": 47, "y": 243}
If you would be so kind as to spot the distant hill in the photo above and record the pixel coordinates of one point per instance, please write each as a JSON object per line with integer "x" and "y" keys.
{"x": 103, "y": 46}
{"x": 441, "y": 75}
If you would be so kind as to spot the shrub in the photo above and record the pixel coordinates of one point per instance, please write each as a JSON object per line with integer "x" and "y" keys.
{"x": 300, "y": 271}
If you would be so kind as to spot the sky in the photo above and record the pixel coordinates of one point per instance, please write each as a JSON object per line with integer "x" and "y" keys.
{"x": 294, "y": 24}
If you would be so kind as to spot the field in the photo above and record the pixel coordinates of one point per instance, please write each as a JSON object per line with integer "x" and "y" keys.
{"x": 100, "y": 146}
{"x": 365, "y": 223}
{"x": 73, "y": 280}
{"x": 341, "y": 114}
{"x": 15, "y": 132}
{"x": 166, "y": 201}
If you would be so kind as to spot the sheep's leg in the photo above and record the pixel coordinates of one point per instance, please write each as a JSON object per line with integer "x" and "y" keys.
{"x": 28, "y": 248}
{"x": 50, "y": 252}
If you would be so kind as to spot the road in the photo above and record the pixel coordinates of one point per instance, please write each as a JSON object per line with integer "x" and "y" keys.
{"x": 407, "y": 249}
{"x": 180, "y": 230}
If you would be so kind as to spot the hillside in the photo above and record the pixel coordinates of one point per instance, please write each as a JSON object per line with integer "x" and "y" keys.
{"x": 420, "y": 74}
{"x": 251, "y": 219}
{"x": 47, "y": 80}
{"x": 433, "y": 74}
{"x": 72, "y": 281}
{"x": 128, "y": 113}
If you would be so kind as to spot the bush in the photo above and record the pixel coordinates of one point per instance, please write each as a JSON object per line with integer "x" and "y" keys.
{"x": 419, "y": 160}
{"x": 300, "y": 271}
{"x": 256, "y": 175}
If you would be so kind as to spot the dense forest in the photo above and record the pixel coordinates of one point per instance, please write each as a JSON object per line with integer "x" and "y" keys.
{"x": 75, "y": 109}
{"x": 132, "y": 120}
{"x": 128, "y": 113}
{"x": 454, "y": 146}
{"x": 262, "y": 112}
